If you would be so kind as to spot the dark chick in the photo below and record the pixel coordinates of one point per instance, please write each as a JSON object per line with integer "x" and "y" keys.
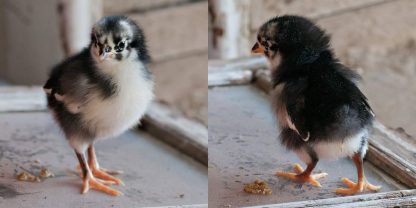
{"x": 321, "y": 112}
{"x": 100, "y": 93}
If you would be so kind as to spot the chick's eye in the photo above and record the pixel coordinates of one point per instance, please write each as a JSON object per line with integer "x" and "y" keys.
{"x": 273, "y": 47}
{"x": 121, "y": 45}
{"x": 107, "y": 49}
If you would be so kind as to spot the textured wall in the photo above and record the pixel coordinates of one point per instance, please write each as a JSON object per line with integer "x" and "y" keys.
{"x": 31, "y": 39}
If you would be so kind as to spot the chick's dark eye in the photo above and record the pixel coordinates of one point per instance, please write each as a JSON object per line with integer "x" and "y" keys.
{"x": 121, "y": 45}
{"x": 107, "y": 49}
{"x": 273, "y": 47}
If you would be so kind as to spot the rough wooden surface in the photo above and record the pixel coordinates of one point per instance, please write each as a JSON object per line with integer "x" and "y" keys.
{"x": 175, "y": 31}
{"x": 265, "y": 9}
{"x": 393, "y": 154}
{"x": 187, "y": 206}
{"x": 182, "y": 84}
{"x": 377, "y": 32}
{"x": 189, "y": 137}
{"x": 402, "y": 198}
{"x": 34, "y": 24}
{"x": 155, "y": 174}
{"x": 112, "y": 7}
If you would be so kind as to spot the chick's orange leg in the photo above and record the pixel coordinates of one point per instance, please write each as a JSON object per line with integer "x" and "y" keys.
{"x": 303, "y": 176}
{"x": 90, "y": 182}
{"x": 100, "y": 172}
{"x": 362, "y": 183}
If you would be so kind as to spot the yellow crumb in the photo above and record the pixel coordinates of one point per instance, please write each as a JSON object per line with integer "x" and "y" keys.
{"x": 25, "y": 176}
{"x": 258, "y": 187}
{"x": 45, "y": 173}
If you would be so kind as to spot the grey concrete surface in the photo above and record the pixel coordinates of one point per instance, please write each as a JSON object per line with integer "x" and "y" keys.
{"x": 155, "y": 174}
{"x": 244, "y": 146}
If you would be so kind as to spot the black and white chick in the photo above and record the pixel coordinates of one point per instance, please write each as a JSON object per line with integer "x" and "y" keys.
{"x": 100, "y": 93}
{"x": 320, "y": 110}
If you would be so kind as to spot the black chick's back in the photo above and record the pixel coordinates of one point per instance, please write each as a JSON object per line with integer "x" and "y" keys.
{"x": 322, "y": 100}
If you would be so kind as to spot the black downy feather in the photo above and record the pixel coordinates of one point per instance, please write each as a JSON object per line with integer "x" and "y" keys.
{"x": 320, "y": 94}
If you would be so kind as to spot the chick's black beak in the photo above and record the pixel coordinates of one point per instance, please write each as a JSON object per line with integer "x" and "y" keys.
{"x": 257, "y": 49}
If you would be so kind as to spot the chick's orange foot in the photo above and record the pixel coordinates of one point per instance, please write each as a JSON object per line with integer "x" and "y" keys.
{"x": 354, "y": 188}
{"x": 301, "y": 176}
{"x": 90, "y": 182}
{"x": 106, "y": 175}
{"x": 103, "y": 175}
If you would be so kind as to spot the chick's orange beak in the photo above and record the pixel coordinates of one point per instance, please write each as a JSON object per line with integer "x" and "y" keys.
{"x": 257, "y": 49}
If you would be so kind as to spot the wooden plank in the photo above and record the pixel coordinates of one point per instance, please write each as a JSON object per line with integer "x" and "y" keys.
{"x": 16, "y": 99}
{"x": 233, "y": 72}
{"x": 175, "y": 31}
{"x": 229, "y": 77}
{"x": 402, "y": 198}
{"x": 182, "y": 133}
{"x": 21, "y": 18}
{"x": 182, "y": 83}
{"x": 254, "y": 62}
{"x": 188, "y": 136}
{"x": 376, "y": 32}
{"x": 393, "y": 155}
{"x": 187, "y": 206}
{"x": 265, "y": 9}
{"x": 117, "y": 7}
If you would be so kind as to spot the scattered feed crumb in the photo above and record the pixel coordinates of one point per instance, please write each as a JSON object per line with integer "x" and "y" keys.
{"x": 25, "y": 176}
{"x": 258, "y": 187}
{"x": 45, "y": 173}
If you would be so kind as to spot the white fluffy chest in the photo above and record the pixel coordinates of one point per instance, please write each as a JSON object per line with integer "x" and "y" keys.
{"x": 112, "y": 116}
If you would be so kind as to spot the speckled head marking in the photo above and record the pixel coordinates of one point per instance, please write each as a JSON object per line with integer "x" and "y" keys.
{"x": 118, "y": 38}
{"x": 292, "y": 36}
